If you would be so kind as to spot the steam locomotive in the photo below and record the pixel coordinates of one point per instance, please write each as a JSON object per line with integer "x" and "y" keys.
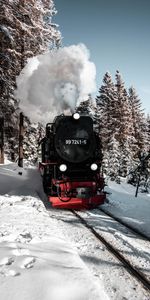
{"x": 71, "y": 162}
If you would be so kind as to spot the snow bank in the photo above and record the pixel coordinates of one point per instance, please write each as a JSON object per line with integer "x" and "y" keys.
{"x": 123, "y": 204}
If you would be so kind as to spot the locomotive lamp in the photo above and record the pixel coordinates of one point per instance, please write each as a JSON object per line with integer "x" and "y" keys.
{"x": 76, "y": 116}
{"x": 94, "y": 167}
{"x": 63, "y": 168}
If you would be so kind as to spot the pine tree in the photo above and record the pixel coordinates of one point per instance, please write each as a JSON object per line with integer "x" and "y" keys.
{"x": 148, "y": 132}
{"x": 123, "y": 109}
{"x": 106, "y": 109}
{"x": 106, "y": 113}
{"x": 86, "y": 107}
{"x": 83, "y": 108}
{"x": 33, "y": 135}
{"x": 125, "y": 127}
{"x": 138, "y": 120}
{"x": 111, "y": 157}
{"x": 108, "y": 125}
{"x": 26, "y": 29}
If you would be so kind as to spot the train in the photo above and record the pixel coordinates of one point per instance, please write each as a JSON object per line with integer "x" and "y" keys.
{"x": 70, "y": 165}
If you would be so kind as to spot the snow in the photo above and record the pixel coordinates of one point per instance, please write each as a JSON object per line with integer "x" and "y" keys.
{"x": 124, "y": 205}
{"x": 47, "y": 254}
{"x": 5, "y": 30}
{"x": 35, "y": 261}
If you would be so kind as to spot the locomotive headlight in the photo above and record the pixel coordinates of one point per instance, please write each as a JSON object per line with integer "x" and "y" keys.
{"x": 63, "y": 168}
{"x": 94, "y": 167}
{"x": 76, "y": 116}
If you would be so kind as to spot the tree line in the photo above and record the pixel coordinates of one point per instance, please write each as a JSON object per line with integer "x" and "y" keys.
{"x": 122, "y": 126}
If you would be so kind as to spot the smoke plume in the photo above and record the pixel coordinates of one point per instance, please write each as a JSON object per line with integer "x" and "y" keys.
{"x": 55, "y": 82}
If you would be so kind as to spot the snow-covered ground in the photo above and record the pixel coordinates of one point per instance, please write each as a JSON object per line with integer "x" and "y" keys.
{"x": 36, "y": 262}
{"x": 133, "y": 210}
{"x": 47, "y": 254}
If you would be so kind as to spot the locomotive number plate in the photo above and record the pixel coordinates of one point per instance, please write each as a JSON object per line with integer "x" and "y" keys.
{"x": 76, "y": 142}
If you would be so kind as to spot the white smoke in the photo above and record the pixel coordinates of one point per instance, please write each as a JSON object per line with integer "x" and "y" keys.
{"x": 55, "y": 82}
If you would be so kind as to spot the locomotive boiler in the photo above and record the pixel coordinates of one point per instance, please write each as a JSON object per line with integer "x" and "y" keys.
{"x": 71, "y": 162}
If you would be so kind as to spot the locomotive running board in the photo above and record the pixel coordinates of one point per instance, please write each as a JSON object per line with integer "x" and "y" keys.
{"x": 77, "y": 203}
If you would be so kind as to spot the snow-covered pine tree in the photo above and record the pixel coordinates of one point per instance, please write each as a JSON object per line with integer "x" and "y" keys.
{"x": 85, "y": 107}
{"x": 140, "y": 139}
{"x": 96, "y": 119}
{"x": 148, "y": 150}
{"x": 88, "y": 107}
{"x": 125, "y": 127}
{"x": 139, "y": 122}
{"x": 31, "y": 144}
{"x": 107, "y": 113}
{"x": 148, "y": 132}
{"x": 111, "y": 158}
{"x": 26, "y": 29}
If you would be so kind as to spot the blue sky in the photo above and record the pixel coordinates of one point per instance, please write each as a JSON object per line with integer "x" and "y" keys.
{"x": 117, "y": 34}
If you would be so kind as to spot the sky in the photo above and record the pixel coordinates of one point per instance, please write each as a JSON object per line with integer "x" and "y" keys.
{"x": 117, "y": 34}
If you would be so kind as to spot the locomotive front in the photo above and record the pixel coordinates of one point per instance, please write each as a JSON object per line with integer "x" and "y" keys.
{"x": 74, "y": 139}
{"x": 71, "y": 160}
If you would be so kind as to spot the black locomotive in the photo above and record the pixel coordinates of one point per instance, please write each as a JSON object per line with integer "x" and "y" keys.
{"x": 71, "y": 162}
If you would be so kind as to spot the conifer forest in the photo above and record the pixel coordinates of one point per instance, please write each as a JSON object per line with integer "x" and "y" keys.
{"x": 27, "y": 30}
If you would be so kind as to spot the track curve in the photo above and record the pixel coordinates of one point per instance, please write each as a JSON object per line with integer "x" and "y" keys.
{"x": 141, "y": 277}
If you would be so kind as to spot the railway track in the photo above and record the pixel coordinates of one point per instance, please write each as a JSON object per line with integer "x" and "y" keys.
{"x": 134, "y": 230}
{"x": 126, "y": 262}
